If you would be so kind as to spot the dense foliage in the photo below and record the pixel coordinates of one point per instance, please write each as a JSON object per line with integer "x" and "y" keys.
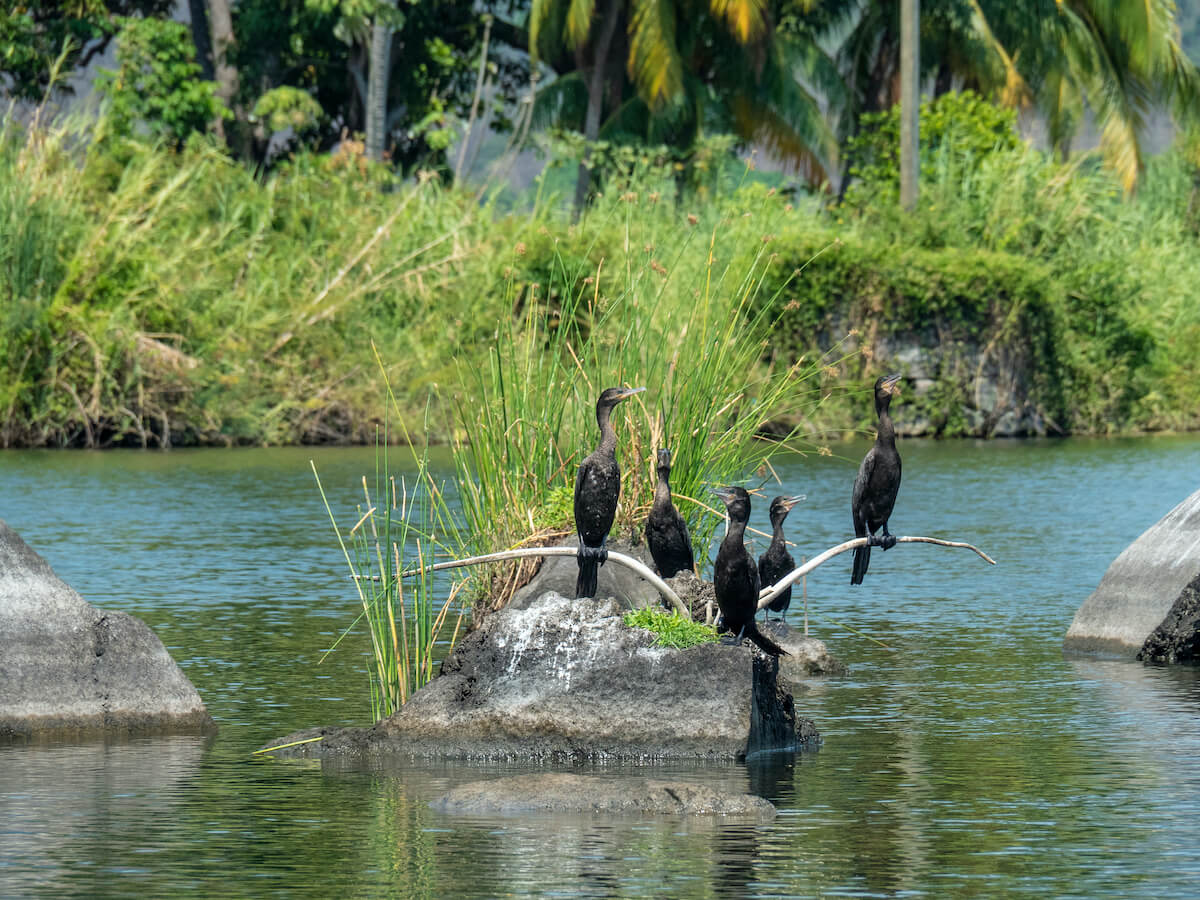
{"x": 158, "y": 297}
{"x": 156, "y": 88}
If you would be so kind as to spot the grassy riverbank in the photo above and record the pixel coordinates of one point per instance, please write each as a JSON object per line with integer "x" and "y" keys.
{"x": 171, "y": 298}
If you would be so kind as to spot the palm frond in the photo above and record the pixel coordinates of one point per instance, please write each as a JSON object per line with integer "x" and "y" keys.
{"x": 547, "y": 23}
{"x": 745, "y": 19}
{"x": 579, "y": 22}
{"x": 654, "y": 66}
{"x": 561, "y": 104}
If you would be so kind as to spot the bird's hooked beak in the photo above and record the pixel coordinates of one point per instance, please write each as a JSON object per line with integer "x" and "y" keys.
{"x": 664, "y": 458}
{"x": 726, "y": 494}
{"x": 789, "y": 502}
{"x": 629, "y": 392}
{"x": 892, "y": 384}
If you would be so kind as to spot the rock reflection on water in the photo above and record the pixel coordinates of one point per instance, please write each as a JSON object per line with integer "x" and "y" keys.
{"x": 60, "y": 802}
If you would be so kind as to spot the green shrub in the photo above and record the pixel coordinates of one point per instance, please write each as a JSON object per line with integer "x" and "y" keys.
{"x": 958, "y": 125}
{"x": 157, "y": 84}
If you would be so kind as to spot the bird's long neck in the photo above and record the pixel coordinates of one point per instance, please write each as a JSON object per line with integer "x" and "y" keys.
{"x": 662, "y": 491}
{"x": 886, "y": 435}
{"x": 777, "y": 538}
{"x": 608, "y": 437}
{"x": 737, "y": 531}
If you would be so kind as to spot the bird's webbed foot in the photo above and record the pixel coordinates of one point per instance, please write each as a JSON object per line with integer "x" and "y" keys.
{"x": 888, "y": 541}
{"x": 730, "y": 640}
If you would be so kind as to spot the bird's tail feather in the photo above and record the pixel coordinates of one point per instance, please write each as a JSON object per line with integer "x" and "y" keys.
{"x": 765, "y": 643}
{"x": 862, "y": 559}
{"x": 589, "y": 575}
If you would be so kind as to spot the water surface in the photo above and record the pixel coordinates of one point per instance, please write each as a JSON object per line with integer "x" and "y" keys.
{"x": 969, "y": 757}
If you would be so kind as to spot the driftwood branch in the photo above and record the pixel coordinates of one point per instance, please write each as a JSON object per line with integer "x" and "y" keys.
{"x": 770, "y": 593}
{"x": 628, "y": 561}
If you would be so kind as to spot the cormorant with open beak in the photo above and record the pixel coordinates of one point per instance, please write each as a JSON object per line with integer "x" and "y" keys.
{"x": 777, "y": 562}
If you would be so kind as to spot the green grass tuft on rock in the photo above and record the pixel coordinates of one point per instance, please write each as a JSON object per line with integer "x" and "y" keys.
{"x": 671, "y": 628}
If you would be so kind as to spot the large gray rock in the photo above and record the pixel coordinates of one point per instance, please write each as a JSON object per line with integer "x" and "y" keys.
{"x": 558, "y": 574}
{"x": 1177, "y": 638}
{"x": 1140, "y": 587}
{"x": 66, "y": 666}
{"x": 556, "y": 792}
{"x": 568, "y": 680}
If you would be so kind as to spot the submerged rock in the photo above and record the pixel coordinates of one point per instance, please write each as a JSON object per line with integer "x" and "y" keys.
{"x": 564, "y": 793}
{"x": 1141, "y": 586}
{"x": 807, "y": 655}
{"x": 568, "y": 680}
{"x": 66, "y": 666}
{"x": 1177, "y": 638}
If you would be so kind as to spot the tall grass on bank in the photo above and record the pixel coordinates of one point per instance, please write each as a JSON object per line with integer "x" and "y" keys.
{"x": 157, "y": 298}
{"x": 675, "y": 316}
{"x": 152, "y": 297}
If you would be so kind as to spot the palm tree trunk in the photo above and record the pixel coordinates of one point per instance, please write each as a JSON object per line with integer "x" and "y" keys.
{"x": 201, "y": 38}
{"x": 910, "y": 99}
{"x": 377, "y": 86}
{"x": 596, "y": 81}
{"x": 225, "y": 72}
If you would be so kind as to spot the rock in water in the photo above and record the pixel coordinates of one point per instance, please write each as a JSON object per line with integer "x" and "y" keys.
{"x": 567, "y": 680}
{"x": 66, "y": 666}
{"x": 1177, "y": 639}
{"x": 556, "y": 792}
{"x": 1141, "y": 586}
{"x": 807, "y": 656}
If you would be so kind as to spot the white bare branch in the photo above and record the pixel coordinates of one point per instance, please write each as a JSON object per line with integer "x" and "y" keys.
{"x": 628, "y": 561}
{"x": 768, "y": 594}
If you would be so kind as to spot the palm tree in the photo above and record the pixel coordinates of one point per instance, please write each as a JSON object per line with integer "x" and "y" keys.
{"x": 1064, "y": 58}
{"x": 667, "y": 71}
{"x": 1117, "y": 60}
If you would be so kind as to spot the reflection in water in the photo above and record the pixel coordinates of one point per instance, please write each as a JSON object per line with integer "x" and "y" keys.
{"x": 970, "y": 758}
{"x": 63, "y": 806}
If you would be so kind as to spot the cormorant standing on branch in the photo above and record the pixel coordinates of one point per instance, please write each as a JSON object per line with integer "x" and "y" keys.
{"x": 735, "y": 576}
{"x": 777, "y": 562}
{"x": 878, "y": 481}
{"x": 597, "y": 488}
{"x": 666, "y": 531}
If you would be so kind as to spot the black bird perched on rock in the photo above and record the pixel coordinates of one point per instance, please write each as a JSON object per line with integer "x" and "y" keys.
{"x": 777, "y": 562}
{"x": 597, "y": 489}
{"x": 666, "y": 531}
{"x": 735, "y": 576}
{"x": 878, "y": 481}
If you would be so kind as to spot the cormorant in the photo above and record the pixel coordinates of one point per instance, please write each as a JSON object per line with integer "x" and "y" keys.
{"x": 666, "y": 532}
{"x": 735, "y": 576}
{"x": 878, "y": 481}
{"x": 777, "y": 562}
{"x": 597, "y": 488}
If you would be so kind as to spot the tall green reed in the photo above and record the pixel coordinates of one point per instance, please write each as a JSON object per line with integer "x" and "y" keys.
{"x": 403, "y": 524}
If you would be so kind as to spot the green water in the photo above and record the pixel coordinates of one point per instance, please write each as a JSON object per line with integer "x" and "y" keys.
{"x": 969, "y": 759}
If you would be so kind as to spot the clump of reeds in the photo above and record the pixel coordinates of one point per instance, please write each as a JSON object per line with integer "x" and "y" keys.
{"x": 387, "y": 550}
